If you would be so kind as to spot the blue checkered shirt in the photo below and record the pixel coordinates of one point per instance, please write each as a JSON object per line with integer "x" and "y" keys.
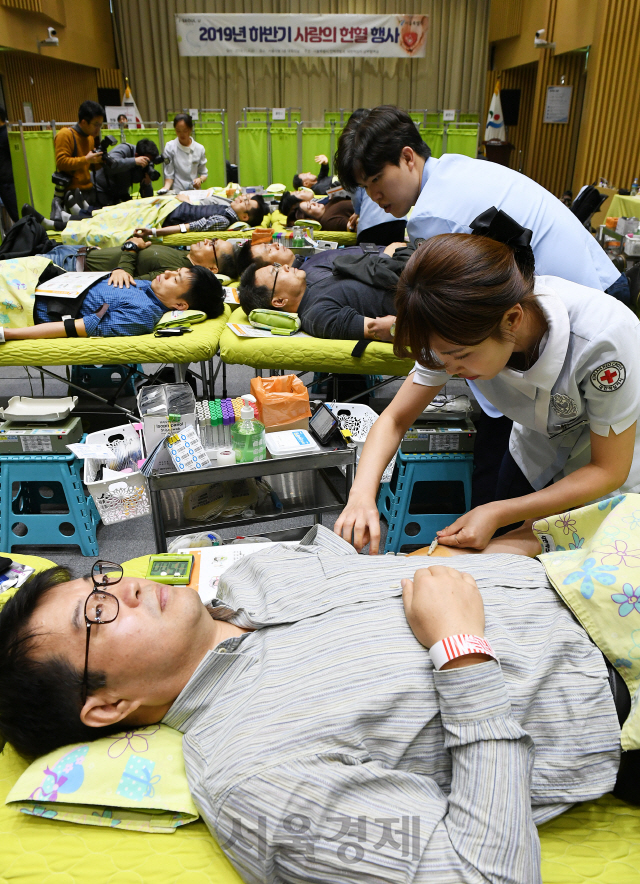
{"x": 132, "y": 311}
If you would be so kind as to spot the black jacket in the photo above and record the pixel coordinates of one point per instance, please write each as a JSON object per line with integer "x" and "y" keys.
{"x": 118, "y": 172}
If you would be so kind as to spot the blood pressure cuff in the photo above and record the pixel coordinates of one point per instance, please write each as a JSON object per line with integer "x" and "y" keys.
{"x": 277, "y": 322}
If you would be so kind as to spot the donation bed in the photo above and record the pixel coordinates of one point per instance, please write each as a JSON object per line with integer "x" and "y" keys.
{"x": 594, "y": 843}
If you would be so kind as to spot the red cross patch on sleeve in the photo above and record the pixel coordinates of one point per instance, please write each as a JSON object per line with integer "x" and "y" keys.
{"x": 609, "y": 376}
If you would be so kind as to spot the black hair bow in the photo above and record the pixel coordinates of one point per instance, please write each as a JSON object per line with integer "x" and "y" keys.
{"x": 497, "y": 225}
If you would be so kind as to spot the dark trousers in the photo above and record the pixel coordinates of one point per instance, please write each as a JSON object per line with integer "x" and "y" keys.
{"x": 620, "y": 290}
{"x": 383, "y": 234}
{"x": 492, "y": 442}
{"x": 8, "y": 197}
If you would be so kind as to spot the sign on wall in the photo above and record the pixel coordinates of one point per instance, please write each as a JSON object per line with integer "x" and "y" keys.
{"x": 557, "y": 105}
{"x": 366, "y": 36}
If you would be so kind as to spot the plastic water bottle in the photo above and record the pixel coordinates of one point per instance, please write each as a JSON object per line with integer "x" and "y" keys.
{"x": 298, "y": 238}
{"x": 248, "y": 437}
{"x": 635, "y": 187}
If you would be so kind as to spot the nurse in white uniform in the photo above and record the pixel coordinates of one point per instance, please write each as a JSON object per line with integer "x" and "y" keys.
{"x": 560, "y": 359}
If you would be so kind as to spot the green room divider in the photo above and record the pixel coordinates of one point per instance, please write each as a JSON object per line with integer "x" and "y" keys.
{"x": 314, "y": 142}
{"x": 209, "y": 117}
{"x": 463, "y": 141}
{"x": 252, "y": 155}
{"x": 284, "y": 154}
{"x": 42, "y": 164}
{"x": 469, "y": 118}
{"x": 256, "y": 116}
{"x": 433, "y": 136}
{"x": 210, "y": 137}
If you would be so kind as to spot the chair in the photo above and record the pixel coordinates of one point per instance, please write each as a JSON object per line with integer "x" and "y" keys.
{"x": 586, "y": 204}
{"x": 426, "y": 493}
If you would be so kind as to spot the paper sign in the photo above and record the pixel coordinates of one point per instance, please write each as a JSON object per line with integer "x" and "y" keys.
{"x": 558, "y": 104}
{"x": 69, "y": 285}
{"x": 248, "y": 331}
{"x": 194, "y": 113}
{"x": 448, "y": 116}
{"x": 278, "y": 113}
{"x": 95, "y": 450}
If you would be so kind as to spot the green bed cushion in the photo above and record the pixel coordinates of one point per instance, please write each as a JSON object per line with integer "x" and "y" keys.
{"x": 308, "y": 354}
{"x": 199, "y": 345}
{"x": 593, "y": 843}
{"x": 342, "y": 237}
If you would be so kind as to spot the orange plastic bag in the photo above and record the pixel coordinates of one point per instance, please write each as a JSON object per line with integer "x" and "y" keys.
{"x": 281, "y": 399}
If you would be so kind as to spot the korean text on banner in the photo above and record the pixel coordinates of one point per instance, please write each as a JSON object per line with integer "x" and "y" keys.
{"x": 372, "y": 36}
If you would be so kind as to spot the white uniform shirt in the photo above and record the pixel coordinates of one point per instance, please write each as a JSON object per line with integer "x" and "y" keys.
{"x": 456, "y": 189}
{"x": 185, "y": 163}
{"x": 587, "y": 377}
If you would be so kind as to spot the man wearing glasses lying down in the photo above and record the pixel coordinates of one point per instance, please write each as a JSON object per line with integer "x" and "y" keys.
{"x": 344, "y": 294}
{"x": 322, "y": 741}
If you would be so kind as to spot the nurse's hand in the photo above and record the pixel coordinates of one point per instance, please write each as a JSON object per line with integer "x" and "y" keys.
{"x": 475, "y": 529}
{"x": 360, "y": 518}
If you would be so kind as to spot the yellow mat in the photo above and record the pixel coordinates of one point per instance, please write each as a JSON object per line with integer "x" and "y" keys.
{"x": 308, "y": 354}
{"x": 594, "y": 843}
{"x": 201, "y": 344}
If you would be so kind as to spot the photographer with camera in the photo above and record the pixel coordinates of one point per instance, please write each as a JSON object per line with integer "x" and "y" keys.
{"x": 75, "y": 156}
{"x": 125, "y": 165}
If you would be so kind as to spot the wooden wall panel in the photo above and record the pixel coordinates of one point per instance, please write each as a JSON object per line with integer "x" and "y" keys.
{"x": 524, "y": 79}
{"x": 552, "y": 151}
{"x": 57, "y": 91}
{"x": 28, "y": 5}
{"x": 610, "y": 136}
{"x": 110, "y": 78}
{"x": 505, "y": 19}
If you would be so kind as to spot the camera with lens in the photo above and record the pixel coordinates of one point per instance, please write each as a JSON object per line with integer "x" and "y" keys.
{"x": 107, "y": 142}
{"x": 153, "y": 173}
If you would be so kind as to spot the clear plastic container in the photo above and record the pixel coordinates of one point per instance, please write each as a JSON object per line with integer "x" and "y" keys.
{"x": 248, "y": 437}
{"x": 195, "y": 541}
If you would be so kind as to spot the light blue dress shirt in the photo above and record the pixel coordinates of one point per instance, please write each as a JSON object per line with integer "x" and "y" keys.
{"x": 456, "y": 189}
{"x": 369, "y": 213}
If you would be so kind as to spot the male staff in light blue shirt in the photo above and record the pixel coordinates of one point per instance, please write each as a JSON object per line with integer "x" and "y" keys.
{"x": 384, "y": 154}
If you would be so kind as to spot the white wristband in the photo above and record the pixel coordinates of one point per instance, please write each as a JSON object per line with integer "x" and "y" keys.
{"x": 153, "y": 231}
{"x": 183, "y": 228}
{"x": 458, "y": 646}
{"x": 1, "y": 334}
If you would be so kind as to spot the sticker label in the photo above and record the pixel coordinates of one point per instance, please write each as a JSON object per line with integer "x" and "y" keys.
{"x": 609, "y": 376}
{"x": 547, "y": 542}
{"x": 36, "y": 443}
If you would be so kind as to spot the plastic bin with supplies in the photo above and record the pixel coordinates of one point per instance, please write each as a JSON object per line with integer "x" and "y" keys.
{"x": 359, "y": 419}
{"x": 125, "y": 497}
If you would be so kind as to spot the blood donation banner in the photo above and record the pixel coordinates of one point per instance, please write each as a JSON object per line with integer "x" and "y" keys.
{"x": 369, "y": 36}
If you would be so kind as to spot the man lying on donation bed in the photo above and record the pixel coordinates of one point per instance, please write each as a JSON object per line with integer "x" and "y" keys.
{"x": 321, "y": 742}
{"x": 111, "y": 310}
{"x": 345, "y": 294}
{"x": 144, "y": 260}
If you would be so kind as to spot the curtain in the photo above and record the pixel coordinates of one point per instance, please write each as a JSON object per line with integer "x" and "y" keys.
{"x": 451, "y": 76}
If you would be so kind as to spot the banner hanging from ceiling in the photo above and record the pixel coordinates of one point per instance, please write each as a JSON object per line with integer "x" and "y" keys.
{"x": 334, "y": 36}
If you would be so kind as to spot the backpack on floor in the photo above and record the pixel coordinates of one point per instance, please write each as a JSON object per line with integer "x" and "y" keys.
{"x": 25, "y": 238}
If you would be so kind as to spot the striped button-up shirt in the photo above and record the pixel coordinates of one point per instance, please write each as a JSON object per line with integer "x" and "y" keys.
{"x": 322, "y": 746}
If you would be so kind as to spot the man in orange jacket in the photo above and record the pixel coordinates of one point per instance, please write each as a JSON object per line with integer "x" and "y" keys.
{"x": 75, "y": 155}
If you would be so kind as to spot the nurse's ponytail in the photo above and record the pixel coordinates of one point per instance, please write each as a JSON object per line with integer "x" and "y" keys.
{"x": 458, "y": 286}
